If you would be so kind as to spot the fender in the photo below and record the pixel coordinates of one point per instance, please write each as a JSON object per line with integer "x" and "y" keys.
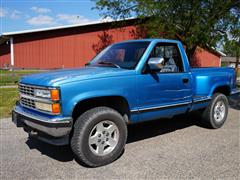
{"x": 92, "y": 94}
{"x": 217, "y": 85}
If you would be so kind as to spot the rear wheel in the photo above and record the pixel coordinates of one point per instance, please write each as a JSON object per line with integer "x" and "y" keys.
{"x": 216, "y": 112}
{"x": 99, "y": 136}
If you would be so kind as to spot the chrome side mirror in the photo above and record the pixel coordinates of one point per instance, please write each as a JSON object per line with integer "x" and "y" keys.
{"x": 156, "y": 63}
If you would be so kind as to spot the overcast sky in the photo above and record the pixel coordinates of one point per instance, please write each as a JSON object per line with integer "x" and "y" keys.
{"x": 17, "y": 15}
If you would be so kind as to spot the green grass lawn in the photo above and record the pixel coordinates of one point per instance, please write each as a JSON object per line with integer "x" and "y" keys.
{"x": 12, "y": 77}
{"x": 8, "y": 97}
{"x": 9, "y": 80}
{"x": 24, "y": 71}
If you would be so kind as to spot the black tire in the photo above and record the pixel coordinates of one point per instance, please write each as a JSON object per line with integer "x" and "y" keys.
{"x": 82, "y": 129}
{"x": 208, "y": 117}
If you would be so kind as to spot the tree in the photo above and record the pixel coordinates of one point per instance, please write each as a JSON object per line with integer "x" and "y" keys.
{"x": 195, "y": 22}
{"x": 232, "y": 48}
{"x": 105, "y": 40}
{"x": 232, "y": 44}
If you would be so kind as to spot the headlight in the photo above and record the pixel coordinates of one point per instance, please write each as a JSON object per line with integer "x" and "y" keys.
{"x": 53, "y": 108}
{"x": 48, "y": 93}
{"x": 42, "y": 93}
{"x": 43, "y": 106}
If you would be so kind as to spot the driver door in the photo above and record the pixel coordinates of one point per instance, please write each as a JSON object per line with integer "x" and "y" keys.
{"x": 166, "y": 91}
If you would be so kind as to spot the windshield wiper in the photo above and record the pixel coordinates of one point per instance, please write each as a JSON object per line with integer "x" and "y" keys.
{"x": 87, "y": 64}
{"x": 109, "y": 63}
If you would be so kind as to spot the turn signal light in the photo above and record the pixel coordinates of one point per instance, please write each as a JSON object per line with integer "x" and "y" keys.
{"x": 55, "y": 94}
{"x": 56, "y": 108}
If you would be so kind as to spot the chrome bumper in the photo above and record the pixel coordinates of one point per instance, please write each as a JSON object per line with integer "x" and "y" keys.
{"x": 55, "y": 127}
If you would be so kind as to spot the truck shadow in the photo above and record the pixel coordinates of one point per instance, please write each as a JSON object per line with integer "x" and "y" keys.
{"x": 234, "y": 101}
{"x": 136, "y": 132}
{"x": 140, "y": 131}
{"x": 60, "y": 153}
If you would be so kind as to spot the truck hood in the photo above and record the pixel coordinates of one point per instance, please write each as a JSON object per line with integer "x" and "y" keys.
{"x": 58, "y": 77}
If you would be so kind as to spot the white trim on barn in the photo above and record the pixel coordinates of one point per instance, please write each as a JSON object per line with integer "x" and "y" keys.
{"x": 12, "y": 52}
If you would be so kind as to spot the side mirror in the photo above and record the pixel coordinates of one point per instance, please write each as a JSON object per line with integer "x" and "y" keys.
{"x": 156, "y": 63}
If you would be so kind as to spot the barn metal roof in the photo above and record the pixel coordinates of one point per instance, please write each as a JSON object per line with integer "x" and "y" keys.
{"x": 61, "y": 27}
{"x": 218, "y": 52}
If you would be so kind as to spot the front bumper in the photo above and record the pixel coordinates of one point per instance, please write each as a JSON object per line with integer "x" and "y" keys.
{"x": 53, "y": 130}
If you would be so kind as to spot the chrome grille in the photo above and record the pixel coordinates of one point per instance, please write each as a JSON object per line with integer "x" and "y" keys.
{"x": 28, "y": 98}
{"x": 27, "y": 90}
{"x": 27, "y": 102}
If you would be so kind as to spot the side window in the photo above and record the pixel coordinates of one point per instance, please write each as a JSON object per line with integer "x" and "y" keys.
{"x": 172, "y": 61}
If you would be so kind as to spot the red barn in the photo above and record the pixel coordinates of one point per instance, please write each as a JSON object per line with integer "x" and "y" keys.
{"x": 207, "y": 58}
{"x": 72, "y": 46}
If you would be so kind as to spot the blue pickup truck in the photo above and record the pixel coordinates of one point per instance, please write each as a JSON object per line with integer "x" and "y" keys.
{"x": 128, "y": 82}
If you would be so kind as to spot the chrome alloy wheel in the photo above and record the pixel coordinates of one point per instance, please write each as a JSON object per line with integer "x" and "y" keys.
{"x": 103, "y": 138}
{"x": 219, "y": 111}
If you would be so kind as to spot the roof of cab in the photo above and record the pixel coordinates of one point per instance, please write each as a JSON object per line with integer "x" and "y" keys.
{"x": 152, "y": 40}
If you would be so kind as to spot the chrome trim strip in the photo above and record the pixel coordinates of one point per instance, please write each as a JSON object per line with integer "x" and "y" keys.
{"x": 201, "y": 99}
{"x": 38, "y": 87}
{"x": 235, "y": 92}
{"x": 36, "y": 99}
{"x": 134, "y": 111}
{"x": 42, "y": 118}
{"x": 160, "y": 107}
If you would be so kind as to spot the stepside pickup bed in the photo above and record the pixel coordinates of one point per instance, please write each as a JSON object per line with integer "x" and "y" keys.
{"x": 128, "y": 82}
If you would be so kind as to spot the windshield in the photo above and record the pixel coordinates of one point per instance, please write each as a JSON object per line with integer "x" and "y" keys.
{"x": 122, "y": 55}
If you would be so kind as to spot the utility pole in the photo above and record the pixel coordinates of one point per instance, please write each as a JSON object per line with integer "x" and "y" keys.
{"x": 237, "y": 57}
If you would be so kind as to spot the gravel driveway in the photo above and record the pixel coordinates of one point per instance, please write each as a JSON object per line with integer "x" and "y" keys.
{"x": 171, "y": 148}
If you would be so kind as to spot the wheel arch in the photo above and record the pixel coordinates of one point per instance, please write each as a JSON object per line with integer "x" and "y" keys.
{"x": 118, "y": 103}
{"x": 224, "y": 89}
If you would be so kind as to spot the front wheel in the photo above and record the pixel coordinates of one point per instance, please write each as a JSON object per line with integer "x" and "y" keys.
{"x": 99, "y": 136}
{"x": 216, "y": 112}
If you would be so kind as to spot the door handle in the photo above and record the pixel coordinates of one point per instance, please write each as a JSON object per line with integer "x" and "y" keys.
{"x": 185, "y": 80}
